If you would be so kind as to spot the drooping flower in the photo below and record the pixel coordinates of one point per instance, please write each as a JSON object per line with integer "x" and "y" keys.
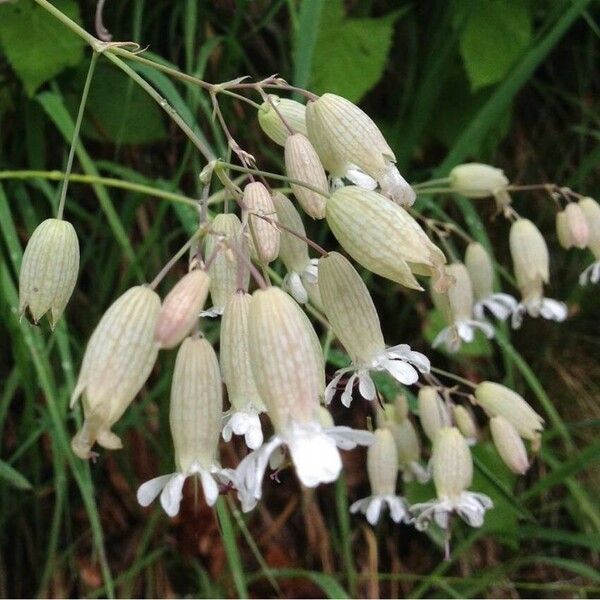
{"x": 433, "y": 412}
{"x": 270, "y": 113}
{"x": 117, "y": 361}
{"x": 456, "y": 304}
{"x": 477, "y": 180}
{"x": 452, "y": 466}
{"x": 288, "y": 372}
{"x": 509, "y": 444}
{"x": 195, "y": 418}
{"x": 237, "y": 373}
{"x": 531, "y": 265}
{"x": 264, "y": 235}
{"x": 465, "y": 422}
{"x": 572, "y": 229}
{"x": 498, "y": 400}
{"x": 354, "y": 320}
{"x": 301, "y": 280}
{"x": 227, "y": 270}
{"x": 481, "y": 273}
{"x": 382, "y": 468}
{"x": 382, "y": 237}
{"x": 591, "y": 211}
{"x": 181, "y": 308}
{"x": 350, "y": 145}
{"x": 302, "y": 163}
{"x": 48, "y": 271}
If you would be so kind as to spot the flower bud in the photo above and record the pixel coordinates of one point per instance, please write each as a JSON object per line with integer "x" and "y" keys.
{"x": 498, "y": 400}
{"x": 224, "y": 267}
{"x": 476, "y": 180}
{"x": 452, "y": 463}
{"x": 293, "y": 251}
{"x": 401, "y": 408}
{"x": 407, "y": 443}
{"x": 457, "y": 302}
{"x": 235, "y": 357}
{"x": 382, "y": 236}
{"x": 509, "y": 445}
{"x": 264, "y": 238}
{"x": 382, "y": 463}
{"x": 571, "y": 227}
{"x": 591, "y": 211}
{"x": 347, "y": 140}
{"x": 117, "y": 361}
{"x": 196, "y": 405}
{"x": 465, "y": 422}
{"x": 529, "y": 253}
{"x": 302, "y": 163}
{"x": 270, "y": 121}
{"x": 181, "y": 308}
{"x": 48, "y": 270}
{"x": 349, "y": 308}
{"x": 481, "y": 271}
{"x": 433, "y": 413}
{"x": 286, "y": 358}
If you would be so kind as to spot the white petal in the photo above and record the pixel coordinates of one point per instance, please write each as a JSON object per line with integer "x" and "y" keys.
{"x": 331, "y": 388}
{"x": 398, "y": 509}
{"x": 347, "y": 438}
{"x": 172, "y": 494}
{"x": 293, "y": 283}
{"x": 366, "y": 387}
{"x": 401, "y": 371}
{"x": 149, "y": 490}
{"x": 485, "y": 327}
{"x": 517, "y": 316}
{"x": 347, "y": 395}
{"x": 404, "y": 352}
{"x": 314, "y": 455}
{"x": 465, "y": 331}
{"x": 209, "y": 486}
{"x": 394, "y": 186}
{"x": 360, "y": 505}
{"x": 214, "y": 311}
{"x": 374, "y": 510}
{"x": 360, "y": 178}
{"x": 553, "y": 310}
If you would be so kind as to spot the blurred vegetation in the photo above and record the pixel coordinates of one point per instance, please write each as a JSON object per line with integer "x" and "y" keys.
{"x": 510, "y": 82}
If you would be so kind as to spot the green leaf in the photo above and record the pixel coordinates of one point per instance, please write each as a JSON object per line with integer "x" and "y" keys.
{"x": 37, "y": 45}
{"x": 495, "y": 33}
{"x": 13, "y": 476}
{"x": 350, "y": 54}
{"x": 118, "y": 110}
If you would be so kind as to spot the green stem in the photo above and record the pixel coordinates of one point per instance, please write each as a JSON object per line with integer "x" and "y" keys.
{"x": 173, "y": 260}
{"x": 431, "y": 182}
{"x": 270, "y": 175}
{"x": 453, "y": 376}
{"x": 84, "y": 95}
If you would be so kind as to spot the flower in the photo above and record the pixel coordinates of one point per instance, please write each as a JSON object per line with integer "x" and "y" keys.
{"x": 481, "y": 273}
{"x": 301, "y": 280}
{"x": 572, "y": 229}
{"x": 354, "y": 320}
{"x": 456, "y": 304}
{"x": 433, "y": 413}
{"x": 272, "y": 110}
{"x": 382, "y": 237}
{"x": 350, "y": 145}
{"x": 509, "y": 444}
{"x": 288, "y": 371}
{"x": 117, "y": 361}
{"x": 477, "y": 180}
{"x": 237, "y": 373}
{"x": 181, "y": 308}
{"x": 302, "y": 163}
{"x": 452, "y": 474}
{"x": 591, "y": 211}
{"x": 227, "y": 271}
{"x": 264, "y": 236}
{"x": 531, "y": 263}
{"x": 382, "y": 468}
{"x": 48, "y": 270}
{"x": 465, "y": 423}
{"x": 498, "y": 400}
{"x": 195, "y": 418}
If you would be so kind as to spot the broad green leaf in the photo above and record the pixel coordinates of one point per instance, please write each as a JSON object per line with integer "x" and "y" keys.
{"x": 37, "y": 45}
{"x": 13, "y": 476}
{"x": 350, "y": 54}
{"x": 495, "y": 33}
{"x": 118, "y": 110}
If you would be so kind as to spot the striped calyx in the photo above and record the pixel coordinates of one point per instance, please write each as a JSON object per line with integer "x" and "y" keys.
{"x": 273, "y": 110}
{"x": 264, "y": 234}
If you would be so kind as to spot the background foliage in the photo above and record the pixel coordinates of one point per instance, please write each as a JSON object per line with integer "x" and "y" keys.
{"x": 509, "y": 82}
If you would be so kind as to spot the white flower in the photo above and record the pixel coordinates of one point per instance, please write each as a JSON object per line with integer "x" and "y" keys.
{"x": 372, "y": 505}
{"x": 313, "y": 451}
{"x": 590, "y": 274}
{"x": 461, "y": 331}
{"x": 452, "y": 467}
{"x": 535, "y": 306}
{"x": 246, "y": 423}
{"x": 301, "y": 285}
{"x": 399, "y": 361}
{"x": 500, "y": 305}
{"x": 170, "y": 487}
